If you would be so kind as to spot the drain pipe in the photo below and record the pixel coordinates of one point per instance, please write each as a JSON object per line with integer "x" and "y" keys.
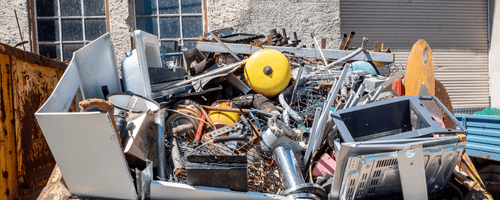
{"x": 160, "y": 143}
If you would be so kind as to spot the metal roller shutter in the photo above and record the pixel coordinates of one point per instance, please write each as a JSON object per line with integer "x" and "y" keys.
{"x": 457, "y": 32}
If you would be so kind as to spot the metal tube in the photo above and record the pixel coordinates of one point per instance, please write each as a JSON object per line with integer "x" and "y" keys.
{"x": 359, "y": 93}
{"x": 288, "y": 166}
{"x": 297, "y": 81}
{"x": 344, "y": 59}
{"x": 319, "y": 132}
{"x": 160, "y": 143}
{"x": 292, "y": 113}
{"x": 308, "y": 153}
{"x": 225, "y": 47}
{"x": 351, "y": 97}
{"x": 379, "y": 90}
{"x": 319, "y": 48}
{"x": 342, "y": 42}
{"x": 176, "y": 155}
{"x": 349, "y": 40}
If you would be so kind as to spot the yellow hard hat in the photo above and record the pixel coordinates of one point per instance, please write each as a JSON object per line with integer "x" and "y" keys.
{"x": 267, "y": 72}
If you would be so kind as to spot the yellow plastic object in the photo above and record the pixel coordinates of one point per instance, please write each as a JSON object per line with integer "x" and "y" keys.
{"x": 267, "y": 72}
{"x": 223, "y": 118}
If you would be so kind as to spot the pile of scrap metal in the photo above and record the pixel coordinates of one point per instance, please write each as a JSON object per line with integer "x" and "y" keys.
{"x": 232, "y": 119}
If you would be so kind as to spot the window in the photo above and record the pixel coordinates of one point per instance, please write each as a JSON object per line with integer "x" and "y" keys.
{"x": 64, "y": 26}
{"x": 169, "y": 21}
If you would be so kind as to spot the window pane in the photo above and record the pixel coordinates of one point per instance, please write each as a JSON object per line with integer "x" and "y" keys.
{"x": 192, "y": 27}
{"x": 167, "y": 47}
{"x": 147, "y": 24}
{"x": 145, "y": 7}
{"x": 170, "y": 27}
{"x": 94, "y": 28}
{"x": 189, "y": 44}
{"x": 68, "y": 50}
{"x": 72, "y": 29}
{"x": 191, "y": 6}
{"x": 94, "y": 7}
{"x": 168, "y": 6}
{"x": 46, "y": 7}
{"x": 49, "y": 50}
{"x": 71, "y": 8}
{"x": 48, "y": 30}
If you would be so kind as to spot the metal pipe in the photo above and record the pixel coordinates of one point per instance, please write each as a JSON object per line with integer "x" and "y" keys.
{"x": 351, "y": 97}
{"x": 319, "y": 132}
{"x": 292, "y": 113}
{"x": 342, "y": 42}
{"x": 160, "y": 143}
{"x": 176, "y": 155}
{"x": 348, "y": 57}
{"x": 198, "y": 77}
{"x": 288, "y": 166}
{"x": 359, "y": 93}
{"x": 225, "y": 47}
{"x": 319, "y": 48}
{"x": 293, "y": 181}
{"x": 308, "y": 153}
{"x": 302, "y": 64}
{"x": 349, "y": 40}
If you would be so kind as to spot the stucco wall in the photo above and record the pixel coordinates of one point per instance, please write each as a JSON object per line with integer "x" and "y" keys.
{"x": 260, "y": 16}
{"x": 121, "y": 23}
{"x": 9, "y": 32}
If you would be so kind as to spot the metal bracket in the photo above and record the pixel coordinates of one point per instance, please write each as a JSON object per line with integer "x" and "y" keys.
{"x": 412, "y": 173}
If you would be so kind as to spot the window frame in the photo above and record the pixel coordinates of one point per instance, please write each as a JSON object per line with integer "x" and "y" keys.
{"x": 181, "y": 39}
{"x": 59, "y": 18}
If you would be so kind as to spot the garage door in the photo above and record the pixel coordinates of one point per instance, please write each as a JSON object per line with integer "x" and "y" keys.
{"x": 457, "y": 32}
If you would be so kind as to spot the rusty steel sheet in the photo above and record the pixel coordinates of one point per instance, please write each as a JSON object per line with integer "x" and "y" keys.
{"x": 8, "y": 161}
{"x": 443, "y": 96}
{"x": 27, "y": 81}
{"x": 419, "y": 68}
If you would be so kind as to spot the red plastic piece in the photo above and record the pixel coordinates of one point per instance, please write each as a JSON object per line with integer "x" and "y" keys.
{"x": 399, "y": 87}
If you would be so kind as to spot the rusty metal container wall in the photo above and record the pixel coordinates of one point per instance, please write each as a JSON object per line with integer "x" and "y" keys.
{"x": 456, "y": 31}
{"x": 27, "y": 80}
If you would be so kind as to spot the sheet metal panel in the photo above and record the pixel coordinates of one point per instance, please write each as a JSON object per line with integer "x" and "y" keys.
{"x": 483, "y": 135}
{"x": 457, "y": 32}
{"x": 84, "y": 144}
